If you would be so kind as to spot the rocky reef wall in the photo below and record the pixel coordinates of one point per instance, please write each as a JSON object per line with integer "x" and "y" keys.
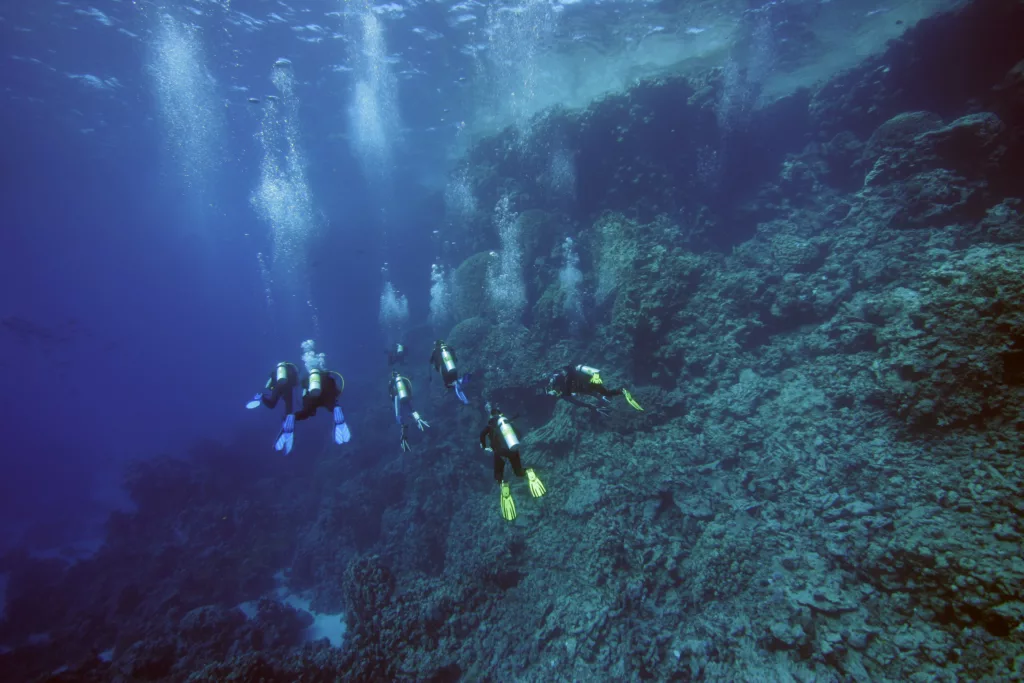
{"x": 820, "y": 308}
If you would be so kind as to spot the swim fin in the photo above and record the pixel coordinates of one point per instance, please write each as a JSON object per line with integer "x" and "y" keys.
{"x": 536, "y": 486}
{"x": 341, "y": 430}
{"x": 255, "y": 402}
{"x": 286, "y": 437}
{"x": 458, "y": 391}
{"x": 630, "y": 400}
{"x": 508, "y": 506}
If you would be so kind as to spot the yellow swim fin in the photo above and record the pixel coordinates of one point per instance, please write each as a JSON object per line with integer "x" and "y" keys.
{"x": 508, "y": 506}
{"x": 536, "y": 486}
{"x": 630, "y": 400}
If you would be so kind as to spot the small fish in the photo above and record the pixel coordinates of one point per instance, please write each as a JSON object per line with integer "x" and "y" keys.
{"x": 254, "y": 100}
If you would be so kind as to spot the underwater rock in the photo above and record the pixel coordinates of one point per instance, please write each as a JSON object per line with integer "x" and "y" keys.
{"x": 368, "y": 586}
{"x": 584, "y": 498}
{"x": 277, "y": 624}
{"x": 899, "y": 133}
{"x": 1011, "y": 90}
{"x": 205, "y": 623}
{"x": 1002, "y": 224}
{"x": 470, "y": 292}
{"x": 972, "y": 144}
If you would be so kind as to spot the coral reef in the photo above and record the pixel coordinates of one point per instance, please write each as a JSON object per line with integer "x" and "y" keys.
{"x": 827, "y": 333}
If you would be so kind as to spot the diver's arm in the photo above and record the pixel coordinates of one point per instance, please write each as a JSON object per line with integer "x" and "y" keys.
{"x": 579, "y": 402}
{"x": 483, "y": 436}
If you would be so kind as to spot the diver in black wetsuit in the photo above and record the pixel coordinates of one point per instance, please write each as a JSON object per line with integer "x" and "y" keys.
{"x": 443, "y": 360}
{"x": 280, "y": 386}
{"x": 396, "y": 355}
{"x": 323, "y": 389}
{"x": 573, "y": 381}
{"x": 400, "y": 390}
{"x": 504, "y": 444}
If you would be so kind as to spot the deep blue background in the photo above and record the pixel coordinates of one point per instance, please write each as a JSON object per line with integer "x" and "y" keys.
{"x": 146, "y": 326}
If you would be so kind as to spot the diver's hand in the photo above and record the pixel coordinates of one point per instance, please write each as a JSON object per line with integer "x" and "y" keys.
{"x": 255, "y": 402}
{"x": 420, "y": 422}
{"x": 489, "y": 449}
{"x": 602, "y": 411}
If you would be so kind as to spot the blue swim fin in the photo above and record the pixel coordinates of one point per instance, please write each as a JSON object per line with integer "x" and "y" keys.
{"x": 341, "y": 430}
{"x": 286, "y": 437}
{"x": 458, "y": 392}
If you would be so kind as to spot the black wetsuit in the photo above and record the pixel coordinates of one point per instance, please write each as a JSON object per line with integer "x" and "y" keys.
{"x": 497, "y": 443}
{"x": 330, "y": 396}
{"x": 396, "y": 355}
{"x": 437, "y": 362}
{"x": 404, "y": 404}
{"x": 571, "y": 380}
{"x": 281, "y": 390}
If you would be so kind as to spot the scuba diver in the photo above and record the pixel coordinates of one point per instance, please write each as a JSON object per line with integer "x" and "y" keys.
{"x": 443, "y": 360}
{"x": 396, "y": 355}
{"x": 400, "y": 389}
{"x": 505, "y": 444}
{"x": 281, "y": 385}
{"x": 574, "y": 380}
{"x": 322, "y": 389}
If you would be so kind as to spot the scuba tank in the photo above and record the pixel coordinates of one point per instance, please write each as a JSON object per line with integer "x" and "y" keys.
{"x": 315, "y": 383}
{"x": 446, "y": 358}
{"x": 593, "y": 373}
{"x": 508, "y": 433}
{"x": 402, "y": 389}
{"x": 282, "y": 373}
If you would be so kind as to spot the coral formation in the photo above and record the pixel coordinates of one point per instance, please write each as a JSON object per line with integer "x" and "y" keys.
{"x": 825, "y": 485}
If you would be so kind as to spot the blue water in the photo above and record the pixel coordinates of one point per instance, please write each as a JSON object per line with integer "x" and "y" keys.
{"x": 135, "y": 315}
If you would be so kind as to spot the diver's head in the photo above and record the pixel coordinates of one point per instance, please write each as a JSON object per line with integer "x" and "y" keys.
{"x": 553, "y": 389}
{"x": 495, "y": 410}
{"x": 394, "y": 374}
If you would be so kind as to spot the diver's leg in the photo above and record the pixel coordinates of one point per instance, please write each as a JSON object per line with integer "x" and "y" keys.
{"x": 499, "y": 467}
{"x": 517, "y": 464}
